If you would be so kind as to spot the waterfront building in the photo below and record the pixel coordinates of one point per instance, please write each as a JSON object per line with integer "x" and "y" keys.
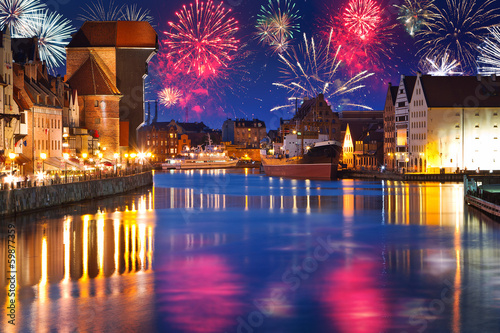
{"x": 389, "y": 127}
{"x": 13, "y": 126}
{"x": 243, "y": 132}
{"x": 34, "y": 96}
{"x": 454, "y": 123}
{"x": 166, "y": 140}
{"x": 355, "y": 126}
{"x": 362, "y": 147}
{"x": 107, "y": 64}
{"x": 401, "y": 123}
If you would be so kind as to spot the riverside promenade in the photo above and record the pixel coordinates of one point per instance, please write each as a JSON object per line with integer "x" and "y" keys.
{"x": 25, "y": 199}
{"x": 422, "y": 177}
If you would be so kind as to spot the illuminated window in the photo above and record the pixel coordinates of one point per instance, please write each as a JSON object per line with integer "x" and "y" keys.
{"x": 171, "y": 135}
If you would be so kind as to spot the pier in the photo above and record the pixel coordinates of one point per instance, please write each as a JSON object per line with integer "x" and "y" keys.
{"x": 483, "y": 193}
{"x": 26, "y": 199}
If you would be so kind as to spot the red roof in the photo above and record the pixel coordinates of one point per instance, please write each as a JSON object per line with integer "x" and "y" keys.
{"x": 115, "y": 34}
{"x": 90, "y": 79}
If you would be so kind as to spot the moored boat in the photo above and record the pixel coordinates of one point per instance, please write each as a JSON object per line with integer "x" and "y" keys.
{"x": 319, "y": 162}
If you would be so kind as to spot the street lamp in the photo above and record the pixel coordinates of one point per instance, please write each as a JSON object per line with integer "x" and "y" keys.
{"x": 66, "y": 156}
{"x": 43, "y": 156}
{"x": 12, "y": 156}
{"x": 84, "y": 157}
{"x": 116, "y": 155}
{"x": 100, "y": 157}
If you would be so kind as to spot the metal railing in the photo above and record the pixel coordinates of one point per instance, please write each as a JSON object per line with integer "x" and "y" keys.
{"x": 28, "y": 182}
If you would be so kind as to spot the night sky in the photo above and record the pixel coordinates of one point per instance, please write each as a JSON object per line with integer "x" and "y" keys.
{"x": 250, "y": 93}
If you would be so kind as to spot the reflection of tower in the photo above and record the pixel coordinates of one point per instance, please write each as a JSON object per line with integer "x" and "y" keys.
{"x": 187, "y": 114}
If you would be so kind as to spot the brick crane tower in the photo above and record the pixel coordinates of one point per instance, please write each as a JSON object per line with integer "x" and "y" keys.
{"x": 107, "y": 63}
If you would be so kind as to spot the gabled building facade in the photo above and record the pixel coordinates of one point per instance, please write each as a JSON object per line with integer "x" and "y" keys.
{"x": 401, "y": 122}
{"x": 454, "y": 124}
{"x": 389, "y": 127}
{"x": 13, "y": 122}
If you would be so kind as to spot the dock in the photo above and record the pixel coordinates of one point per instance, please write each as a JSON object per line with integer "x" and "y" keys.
{"x": 483, "y": 193}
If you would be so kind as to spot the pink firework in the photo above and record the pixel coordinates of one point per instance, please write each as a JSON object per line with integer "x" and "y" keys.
{"x": 202, "y": 41}
{"x": 363, "y": 33}
{"x": 362, "y": 17}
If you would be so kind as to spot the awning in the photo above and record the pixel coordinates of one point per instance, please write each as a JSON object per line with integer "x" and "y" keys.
{"x": 22, "y": 159}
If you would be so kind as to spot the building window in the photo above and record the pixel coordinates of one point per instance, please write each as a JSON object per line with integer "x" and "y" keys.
{"x": 96, "y": 103}
{"x": 171, "y": 135}
{"x": 98, "y": 121}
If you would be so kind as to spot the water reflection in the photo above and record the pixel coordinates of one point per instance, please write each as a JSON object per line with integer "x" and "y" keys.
{"x": 205, "y": 251}
{"x": 199, "y": 294}
{"x": 66, "y": 264}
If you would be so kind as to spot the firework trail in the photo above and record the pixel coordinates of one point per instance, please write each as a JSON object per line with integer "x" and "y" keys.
{"x": 169, "y": 96}
{"x": 97, "y": 12}
{"x": 134, "y": 13}
{"x": 20, "y": 15}
{"x": 415, "y": 14}
{"x": 276, "y": 24}
{"x": 311, "y": 69}
{"x": 458, "y": 30}
{"x": 444, "y": 67}
{"x": 203, "y": 39}
{"x": 489, "y": 58}
{"x": 365, "y": 34}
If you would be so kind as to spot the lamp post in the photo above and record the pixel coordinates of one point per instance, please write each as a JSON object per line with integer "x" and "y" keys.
{"x": 12, "y": 156}
{"x": 84, "y": 157}
{"x": 43, "y": 156}
{"x": 66, "y": 156}
{"x": 115, "y": 155}
{"x": 100, "y": 157}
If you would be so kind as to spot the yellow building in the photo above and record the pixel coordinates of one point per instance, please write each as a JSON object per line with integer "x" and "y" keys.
{"x": 454, "y": 124}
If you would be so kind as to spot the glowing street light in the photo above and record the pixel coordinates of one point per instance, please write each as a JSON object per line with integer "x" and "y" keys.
{"x": 116, "y": 155}
{"x": 43, "y": 156}
{"x": 66, "y": 157}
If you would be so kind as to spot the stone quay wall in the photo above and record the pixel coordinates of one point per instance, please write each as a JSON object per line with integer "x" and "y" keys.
{"x": 34, "y": 198}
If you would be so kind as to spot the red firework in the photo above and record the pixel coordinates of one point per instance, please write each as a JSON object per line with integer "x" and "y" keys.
{"x": 203, "y": 40}
{"x": 363, "y": 33}
{"x": 362, "y": 17}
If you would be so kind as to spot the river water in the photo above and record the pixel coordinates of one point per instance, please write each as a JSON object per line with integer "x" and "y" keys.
{"x": 236, "y": 251}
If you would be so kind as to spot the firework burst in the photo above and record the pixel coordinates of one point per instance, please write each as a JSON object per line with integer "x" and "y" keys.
{"x": 458, "y": 30}
{"x": 444, "y": 67}
{"x": 415, "y": 14}
{"x": 134, "y": 13}
{"x": 489, "y": 59}
{"x": 311, "y": 70}
{"x": 203, "y": 40}
{"x": 98, "y": 12}
{"x": 362, "y": 17}
{"x": 20, "y": 15}
{"x": 276, "y": 24}
{"x": 365, "y": 35}
{"x": 54, "y": 33}
{"x": 169, "y": 96}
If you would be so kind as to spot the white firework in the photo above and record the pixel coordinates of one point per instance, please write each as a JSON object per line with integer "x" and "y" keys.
{"x": 134, "y": 13}
{"x": 20, "y": 15}
{"x": 169, "y": 96}
{"x": 489, "y": 59}
{"x": 97, "y": 12}
{"x": 444, "y": 68}
{"x": 54, "y": 33}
